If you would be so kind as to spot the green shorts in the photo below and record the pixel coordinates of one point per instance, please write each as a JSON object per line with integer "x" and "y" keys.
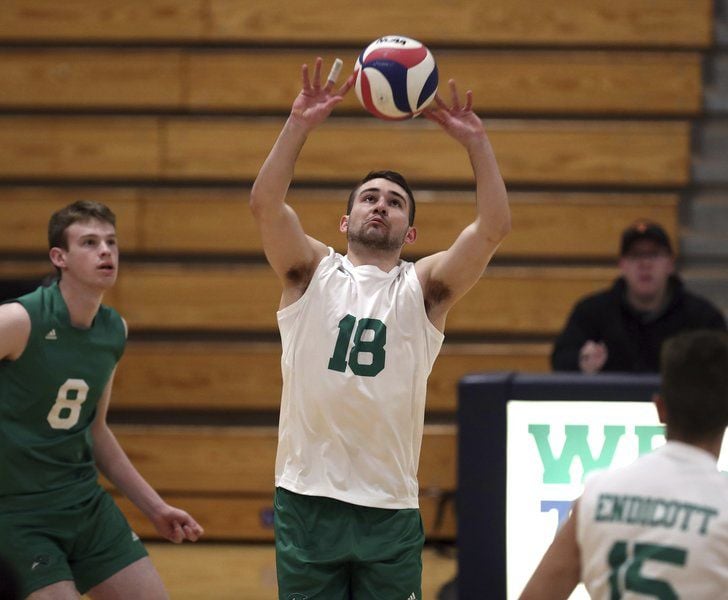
{"x": 332, "y": 550}
{"x": 86, "y": 543}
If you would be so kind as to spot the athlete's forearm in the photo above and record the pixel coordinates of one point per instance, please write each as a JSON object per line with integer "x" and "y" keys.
{"x": 275, "y": 176}
{"x": 493, "y": 211}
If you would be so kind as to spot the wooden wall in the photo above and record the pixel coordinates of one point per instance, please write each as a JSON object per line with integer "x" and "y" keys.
{"x": 165, "y": 110}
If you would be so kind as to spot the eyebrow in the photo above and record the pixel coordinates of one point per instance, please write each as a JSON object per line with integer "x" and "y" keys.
{"x": 376, "y": 189}
{"x": 96, "y": 235}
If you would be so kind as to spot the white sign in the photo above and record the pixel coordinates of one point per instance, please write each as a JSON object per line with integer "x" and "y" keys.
{"x": 551, "y": 447}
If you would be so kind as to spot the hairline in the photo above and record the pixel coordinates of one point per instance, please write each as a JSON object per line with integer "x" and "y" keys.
{"x": 410, "y": 201}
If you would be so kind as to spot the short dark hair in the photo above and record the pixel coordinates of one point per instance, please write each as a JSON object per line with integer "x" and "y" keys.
{"x": 694, "y": 369}
{"x": 79, "y": 211}
{"x": 392, "y": 176}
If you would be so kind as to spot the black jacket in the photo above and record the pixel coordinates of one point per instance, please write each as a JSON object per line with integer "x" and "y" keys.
{"x": 633, "y": 340}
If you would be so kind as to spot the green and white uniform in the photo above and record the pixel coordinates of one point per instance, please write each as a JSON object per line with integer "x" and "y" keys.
{"x": 657, "y": 528}
{"x": 48, "y": 400}
{"x": 357, "y": 350}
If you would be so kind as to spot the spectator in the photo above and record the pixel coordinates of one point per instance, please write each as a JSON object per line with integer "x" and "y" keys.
{"x": 623, "y": 328}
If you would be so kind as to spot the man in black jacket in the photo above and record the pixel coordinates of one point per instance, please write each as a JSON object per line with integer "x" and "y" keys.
{"x": 622, "y": 328}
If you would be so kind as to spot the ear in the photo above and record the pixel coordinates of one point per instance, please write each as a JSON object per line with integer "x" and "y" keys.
{"x": 410, "y": 236}
{"x": 58, "y": 257}
{"x": 661, "y": 408}
{"x": 344, "y": 224}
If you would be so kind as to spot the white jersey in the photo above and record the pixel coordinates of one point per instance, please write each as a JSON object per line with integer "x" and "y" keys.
{"x": 657, "y": 528}
{"x": 358, "y": 348}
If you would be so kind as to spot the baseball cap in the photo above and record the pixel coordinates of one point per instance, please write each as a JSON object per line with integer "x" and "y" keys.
{"x": 644, "y": 230}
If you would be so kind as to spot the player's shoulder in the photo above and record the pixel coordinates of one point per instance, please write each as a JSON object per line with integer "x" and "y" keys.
{"x": 14, "y": 314}
{"x": 640, "y": 470}
{"x": 15, "y": 327}
{"x": 110, "y": 318}
{"x": 599, "y": 300}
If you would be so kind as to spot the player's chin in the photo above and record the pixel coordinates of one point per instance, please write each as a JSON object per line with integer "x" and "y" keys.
{"x": 105, "y": 280}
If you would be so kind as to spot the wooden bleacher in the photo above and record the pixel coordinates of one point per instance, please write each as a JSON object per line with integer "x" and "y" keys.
{"x": 216, "y": 468}
{"x": 597, "y": 82}
{"x": 174, "y": 376}
{"x": 165, "y": 110}
{"x": 601, "y": 23}
{"x": 649, "y": 153}
{"x": 146, "y": 223}
{"x": 244, "y": 298}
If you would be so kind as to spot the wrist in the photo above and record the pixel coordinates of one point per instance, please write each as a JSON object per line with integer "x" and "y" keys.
{"x": 296, "y": 126}
{"x": 478, "y": 144}
{"x": 151, "y": 505}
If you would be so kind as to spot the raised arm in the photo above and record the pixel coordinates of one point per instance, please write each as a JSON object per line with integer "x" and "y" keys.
{"x": 291, "y": 253}
{"x": 447, "y": 275}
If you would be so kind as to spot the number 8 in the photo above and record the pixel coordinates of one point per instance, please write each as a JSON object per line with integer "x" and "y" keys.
{"x": 73, "y": 405}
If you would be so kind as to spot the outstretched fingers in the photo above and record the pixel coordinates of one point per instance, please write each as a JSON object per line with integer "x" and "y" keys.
{"x": 454, "y": 94}
{"x": 333, "y": 75}
{"x": 468, "y": 101}
{"x": 441, "y": 103}
{"x": 311, "y": 82}
{"x": 311, "y": 87}
{"x": 435, "y": 114}
{"x": 317, "y": 73}
{"x": 456, "y": 107}
{"x": 333, "y": 78}
{"x": 347, "y": 85}
{"x": 305, "y": 79}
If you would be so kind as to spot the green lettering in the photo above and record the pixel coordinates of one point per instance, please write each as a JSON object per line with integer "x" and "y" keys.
{"x": 556, "y": 470}
{"x": 645, "y": 434}
{"x": 708, "y": 513}
{"x": 602, "y": 504}
{"x": 618, "y": 508}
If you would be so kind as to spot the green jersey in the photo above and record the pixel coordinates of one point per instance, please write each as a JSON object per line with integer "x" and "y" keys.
{"x": 48, "y": 399}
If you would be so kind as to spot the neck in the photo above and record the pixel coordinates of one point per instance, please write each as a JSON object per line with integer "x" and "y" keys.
{"x": 386, "y": 260}
{"x": 82, "y": 303}
{"x": 647, "y": 303}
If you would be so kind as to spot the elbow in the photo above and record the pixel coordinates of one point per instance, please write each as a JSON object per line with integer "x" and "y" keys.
{"x": 505, "y": 226}
{"x": 499, "y": 229}
{"x": 254, "y": 202}
{"x": 259, "y": 205}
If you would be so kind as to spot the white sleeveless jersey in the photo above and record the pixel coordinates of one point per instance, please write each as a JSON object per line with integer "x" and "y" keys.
{"x": 657, "y": 528}
{"x": 357, "y": 351}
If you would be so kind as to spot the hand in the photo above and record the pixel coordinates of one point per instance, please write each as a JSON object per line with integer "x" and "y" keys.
{"x": 314, "y": 103}
{"x": 176, "y": 525}
{"x": 592, "y": 357}
{"x": 457, "y": 120}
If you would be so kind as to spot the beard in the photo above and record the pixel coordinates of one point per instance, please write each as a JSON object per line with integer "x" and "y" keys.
{"x": 375, "y": 239}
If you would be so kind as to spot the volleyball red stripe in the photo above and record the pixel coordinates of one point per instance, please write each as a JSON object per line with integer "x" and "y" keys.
{"x": 409, "y": 57}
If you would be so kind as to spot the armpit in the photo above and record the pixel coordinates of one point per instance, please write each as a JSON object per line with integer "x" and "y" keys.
{"x": 435, "y": 293}
{"x": 300, "y": 275}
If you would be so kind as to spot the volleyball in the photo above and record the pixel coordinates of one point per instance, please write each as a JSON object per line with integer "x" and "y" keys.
{"x": 396, "y": 78}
